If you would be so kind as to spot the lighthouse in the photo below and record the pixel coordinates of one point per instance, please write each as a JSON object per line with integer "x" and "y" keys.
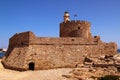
{"x": 66, "y": 17}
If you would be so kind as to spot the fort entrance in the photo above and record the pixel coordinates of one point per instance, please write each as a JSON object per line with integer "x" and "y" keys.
{"x": 31, "y": 66}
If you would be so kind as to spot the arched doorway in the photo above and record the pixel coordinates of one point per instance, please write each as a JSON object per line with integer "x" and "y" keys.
{"x": 31, "y": 66}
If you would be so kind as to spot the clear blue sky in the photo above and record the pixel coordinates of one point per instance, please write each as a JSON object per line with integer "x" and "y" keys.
{"x": 43, "y": 17}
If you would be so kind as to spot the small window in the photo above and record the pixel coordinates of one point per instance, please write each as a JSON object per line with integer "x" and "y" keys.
{"x": 72, "y": 40}
{"x": 95, "y": 36}
{"x": 78, "y": 27}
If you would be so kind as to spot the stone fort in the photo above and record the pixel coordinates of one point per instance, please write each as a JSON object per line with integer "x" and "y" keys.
{"x": 28, "y": 52}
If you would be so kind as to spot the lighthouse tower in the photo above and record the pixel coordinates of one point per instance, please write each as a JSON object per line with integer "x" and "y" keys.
{"x": 66, "y": 17}
{"x": 74, "y": 28}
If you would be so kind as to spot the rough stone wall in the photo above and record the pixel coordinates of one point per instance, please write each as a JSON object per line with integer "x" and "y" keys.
{"x": 16, "y": 59}
{"x": 18, "y": 40}
{"x": 48, "y": 53}
{"x": 57, "y": 56}
{"x": 75, "y": 29}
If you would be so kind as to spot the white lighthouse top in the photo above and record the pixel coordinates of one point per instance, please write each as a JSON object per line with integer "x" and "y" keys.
{"x": 66, "y": 17}
{"x": 66, "y": 14}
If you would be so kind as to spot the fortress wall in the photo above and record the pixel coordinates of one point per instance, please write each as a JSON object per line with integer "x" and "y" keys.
{"x": 68, "y": 40}
{"x": 26, "y": 38}
{"x": 57, "y": 56}
{"x": 48, "y": 53}
{"x": 16, "y": 59}
{"x": 18, "y": 38}
{"x": 63, "y": 40}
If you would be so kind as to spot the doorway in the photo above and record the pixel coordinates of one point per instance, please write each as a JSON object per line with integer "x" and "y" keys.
{"x": 31, "y": 66}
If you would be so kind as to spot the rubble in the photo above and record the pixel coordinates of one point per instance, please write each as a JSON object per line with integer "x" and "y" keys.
{"x": 102, "y": 68}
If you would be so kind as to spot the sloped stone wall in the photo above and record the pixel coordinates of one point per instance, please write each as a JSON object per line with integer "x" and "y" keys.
{"x": 48, "y": 53}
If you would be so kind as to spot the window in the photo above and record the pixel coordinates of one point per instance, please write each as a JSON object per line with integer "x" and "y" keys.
{"x": 72, "y": 39}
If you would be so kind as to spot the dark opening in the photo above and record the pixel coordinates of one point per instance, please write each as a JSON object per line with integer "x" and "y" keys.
{"x": 78, "y": 27}
{"x": 95, "y": 36}
{"x": 72, "y": 39}
{"x": 31, "y": 66}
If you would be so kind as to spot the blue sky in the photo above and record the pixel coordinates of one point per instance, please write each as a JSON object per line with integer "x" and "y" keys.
{"x": 43, "y": 17}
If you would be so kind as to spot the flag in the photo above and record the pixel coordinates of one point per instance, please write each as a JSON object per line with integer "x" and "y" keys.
{"x": 75, "y": 15}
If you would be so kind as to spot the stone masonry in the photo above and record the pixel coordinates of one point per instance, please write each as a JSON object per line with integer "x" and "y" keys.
{"x": 28, "y": 52}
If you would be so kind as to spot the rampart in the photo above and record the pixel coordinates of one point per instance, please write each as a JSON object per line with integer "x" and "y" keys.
{"x": 47, "y": 53}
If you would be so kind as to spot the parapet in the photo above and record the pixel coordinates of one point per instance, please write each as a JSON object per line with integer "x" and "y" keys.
{"x": 73, "y": 22}
{"x": 19, "y": 38}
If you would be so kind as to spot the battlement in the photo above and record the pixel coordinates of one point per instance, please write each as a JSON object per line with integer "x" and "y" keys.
{"x": 76, "y": 22}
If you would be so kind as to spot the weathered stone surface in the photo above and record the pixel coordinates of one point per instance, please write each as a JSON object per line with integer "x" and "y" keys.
{"x": 91, "y": 72}
{"x": 26, "y": 51}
